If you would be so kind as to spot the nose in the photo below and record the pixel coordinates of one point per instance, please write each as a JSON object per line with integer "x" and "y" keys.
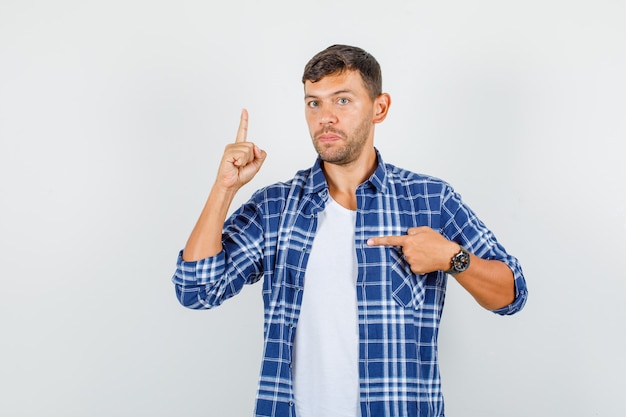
{"x": 327, "y": 116}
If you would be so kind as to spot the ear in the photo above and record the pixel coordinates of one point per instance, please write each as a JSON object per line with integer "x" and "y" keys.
{"x": 381, "y": 107}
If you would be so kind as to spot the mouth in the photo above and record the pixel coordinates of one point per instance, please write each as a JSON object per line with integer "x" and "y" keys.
{"x": 329, "y": 136}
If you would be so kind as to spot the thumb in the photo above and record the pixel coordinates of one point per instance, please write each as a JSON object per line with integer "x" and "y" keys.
{"x": 259, "y": 157}
{"x": 259, "y": 154}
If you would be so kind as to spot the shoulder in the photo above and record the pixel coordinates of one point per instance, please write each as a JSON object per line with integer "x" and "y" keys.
{"x": 401, "y": 177}
{"x": 282, "y": 190}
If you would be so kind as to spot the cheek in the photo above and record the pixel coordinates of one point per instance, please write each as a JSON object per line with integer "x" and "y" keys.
{"x": 310, "y": 118}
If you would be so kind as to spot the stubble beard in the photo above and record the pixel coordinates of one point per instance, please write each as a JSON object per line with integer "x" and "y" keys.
{"x": 349, "y": 151}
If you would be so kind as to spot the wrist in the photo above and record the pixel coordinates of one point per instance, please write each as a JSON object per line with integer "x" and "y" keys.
{"x": 223, "y": 192}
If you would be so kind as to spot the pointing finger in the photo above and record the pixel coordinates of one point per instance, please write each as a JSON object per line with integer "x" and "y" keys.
{"x": 242, "y": 132}
{"x": 386, "y": 241}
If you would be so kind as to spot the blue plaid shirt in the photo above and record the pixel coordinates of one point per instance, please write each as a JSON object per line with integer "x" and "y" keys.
{"x": 270, "y": 237}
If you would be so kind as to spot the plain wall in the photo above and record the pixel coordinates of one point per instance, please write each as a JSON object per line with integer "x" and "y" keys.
{"x": 113, "y": 116}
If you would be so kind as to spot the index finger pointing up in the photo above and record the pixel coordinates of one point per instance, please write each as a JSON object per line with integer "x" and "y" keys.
{"x": 242, "y": 132}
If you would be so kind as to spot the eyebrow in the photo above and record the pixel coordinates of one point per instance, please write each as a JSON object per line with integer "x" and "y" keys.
{"x": 336, "y": 93}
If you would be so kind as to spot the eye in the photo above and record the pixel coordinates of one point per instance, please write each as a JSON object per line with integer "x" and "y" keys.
{"x": 343, "y": 101}
{"x": 312, "y": 104}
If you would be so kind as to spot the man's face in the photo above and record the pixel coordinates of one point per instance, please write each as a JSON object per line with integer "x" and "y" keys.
{"x": 339, "y": 112}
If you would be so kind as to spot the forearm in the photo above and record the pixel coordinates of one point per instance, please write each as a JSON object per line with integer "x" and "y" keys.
{"x": 206, "y": 237}
{"x": 490, "y": 282}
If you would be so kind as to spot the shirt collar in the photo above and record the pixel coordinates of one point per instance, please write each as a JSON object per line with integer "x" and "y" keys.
{"x": 317, "y": 181}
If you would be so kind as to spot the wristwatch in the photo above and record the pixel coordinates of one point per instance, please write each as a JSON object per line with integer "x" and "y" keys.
{"x": 459, "y": 262}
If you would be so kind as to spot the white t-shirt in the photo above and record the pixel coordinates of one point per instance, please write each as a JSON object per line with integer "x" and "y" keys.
{"x": 326, "y": 374}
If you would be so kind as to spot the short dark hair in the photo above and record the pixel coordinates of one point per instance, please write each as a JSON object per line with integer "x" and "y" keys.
{"x": 339, "y": 58}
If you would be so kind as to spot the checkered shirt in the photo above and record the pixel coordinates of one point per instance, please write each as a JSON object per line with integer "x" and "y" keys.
{"x": 270, "y": 237}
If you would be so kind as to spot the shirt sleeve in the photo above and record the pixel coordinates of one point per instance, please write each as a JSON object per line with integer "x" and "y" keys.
{"x": 460, "y": 224}
{"x": 208, "y": 282}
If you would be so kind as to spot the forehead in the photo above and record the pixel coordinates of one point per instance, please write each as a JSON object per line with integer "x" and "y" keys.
{"x": 346, "y": 81}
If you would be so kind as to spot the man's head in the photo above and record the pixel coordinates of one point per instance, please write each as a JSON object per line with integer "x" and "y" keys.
{"x": 337, "y": 59}
{"x": 343, "y": 102}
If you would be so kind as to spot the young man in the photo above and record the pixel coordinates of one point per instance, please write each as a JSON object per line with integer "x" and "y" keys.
{"x": 354, "y": 254}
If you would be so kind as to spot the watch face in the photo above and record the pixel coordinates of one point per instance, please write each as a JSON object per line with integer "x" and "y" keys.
{"x": 460, "y": 261}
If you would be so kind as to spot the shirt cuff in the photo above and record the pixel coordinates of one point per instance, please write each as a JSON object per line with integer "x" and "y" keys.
{"x": 200, "y": 272}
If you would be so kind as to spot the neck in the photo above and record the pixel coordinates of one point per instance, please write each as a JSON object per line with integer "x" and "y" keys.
{"x": 343, "y": 180}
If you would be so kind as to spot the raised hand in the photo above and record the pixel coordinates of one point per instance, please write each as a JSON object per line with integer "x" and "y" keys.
{"x": 240, "y": 163}
{"x": 241, "y": 160}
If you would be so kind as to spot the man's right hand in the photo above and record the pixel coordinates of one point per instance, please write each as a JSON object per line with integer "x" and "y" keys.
{"x": 241, "y": 160}
{"x": 240, "y": 163}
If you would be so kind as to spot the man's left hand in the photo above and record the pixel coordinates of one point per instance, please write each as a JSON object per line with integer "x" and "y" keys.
{"x": 423, "y": 248}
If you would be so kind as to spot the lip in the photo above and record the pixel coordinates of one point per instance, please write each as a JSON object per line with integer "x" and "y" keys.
{"x": 328, "y": 137}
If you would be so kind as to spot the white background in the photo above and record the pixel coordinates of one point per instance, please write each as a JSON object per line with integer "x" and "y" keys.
{"x": 114, "y": 114}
